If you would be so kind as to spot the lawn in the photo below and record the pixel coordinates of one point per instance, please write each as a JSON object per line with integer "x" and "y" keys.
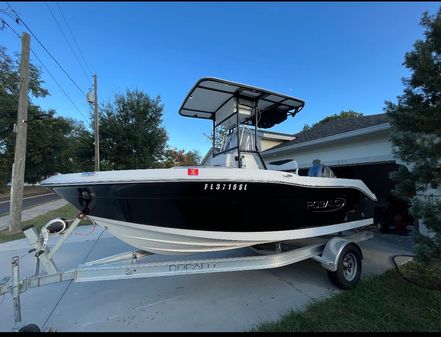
{"x": 67, "y": 212}
{"x": 385, "y": 303}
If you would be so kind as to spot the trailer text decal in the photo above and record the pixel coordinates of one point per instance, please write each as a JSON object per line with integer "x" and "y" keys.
{"x": 191, "y": 266}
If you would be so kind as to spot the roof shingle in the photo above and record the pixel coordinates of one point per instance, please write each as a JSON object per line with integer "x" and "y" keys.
{"x": 335, "y": 127}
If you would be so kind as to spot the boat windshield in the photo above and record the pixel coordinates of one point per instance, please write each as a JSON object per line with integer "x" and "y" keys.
{"x": 247, "y": 141}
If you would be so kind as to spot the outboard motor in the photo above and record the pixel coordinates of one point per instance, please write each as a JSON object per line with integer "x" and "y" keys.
{"x": 320, "y": 170}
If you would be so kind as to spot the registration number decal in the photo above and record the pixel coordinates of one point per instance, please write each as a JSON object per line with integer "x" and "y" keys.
{"x": 225, "y": 187}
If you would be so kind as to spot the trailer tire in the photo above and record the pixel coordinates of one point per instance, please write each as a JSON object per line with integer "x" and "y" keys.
{"x": 30, "y": 328}
{"x": 349, "y": 268}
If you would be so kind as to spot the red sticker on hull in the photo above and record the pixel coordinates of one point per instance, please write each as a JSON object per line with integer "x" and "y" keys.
{"x": 193, "y": 172}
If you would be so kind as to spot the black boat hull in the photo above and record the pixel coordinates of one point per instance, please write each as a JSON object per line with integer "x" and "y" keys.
{"x": 155, "y": 215}
{"x": 219, "y": 206}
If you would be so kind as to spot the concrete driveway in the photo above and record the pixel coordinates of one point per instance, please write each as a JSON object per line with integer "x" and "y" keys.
{"x": 218, "y": 302}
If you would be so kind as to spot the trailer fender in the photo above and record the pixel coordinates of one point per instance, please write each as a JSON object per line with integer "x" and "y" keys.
{"x": 332, "y": 252}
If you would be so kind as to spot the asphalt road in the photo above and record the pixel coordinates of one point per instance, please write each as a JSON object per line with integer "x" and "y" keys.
{"x": 29, "y": 202}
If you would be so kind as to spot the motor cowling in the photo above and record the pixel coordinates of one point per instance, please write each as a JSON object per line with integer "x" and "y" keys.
{"x": 321, "y": 170}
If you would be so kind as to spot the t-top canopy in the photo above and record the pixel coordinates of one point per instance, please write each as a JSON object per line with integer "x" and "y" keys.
{"x": 210, "y": 97}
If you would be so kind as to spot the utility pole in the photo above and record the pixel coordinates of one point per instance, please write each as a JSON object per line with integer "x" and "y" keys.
{"x": 18, "y": 168}
{"x": 97, "y": 134}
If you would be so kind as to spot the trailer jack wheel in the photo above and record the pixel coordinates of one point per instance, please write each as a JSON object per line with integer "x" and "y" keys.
{"x": 30, "y": 328}
{"x": 349, "y": 267}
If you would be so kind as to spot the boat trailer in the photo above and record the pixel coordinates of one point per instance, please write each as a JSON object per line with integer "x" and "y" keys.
{"x": 339, "y": 255}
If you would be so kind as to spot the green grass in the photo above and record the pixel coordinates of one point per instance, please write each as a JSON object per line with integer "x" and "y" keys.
{"x": 385, "y": 303}
{"x": 67, "y": 211}
{"x": 424, "y": 274}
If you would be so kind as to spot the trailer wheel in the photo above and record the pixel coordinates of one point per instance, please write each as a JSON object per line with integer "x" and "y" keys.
{"x": 30, "y": 328}
{"x": 349, "y": 267}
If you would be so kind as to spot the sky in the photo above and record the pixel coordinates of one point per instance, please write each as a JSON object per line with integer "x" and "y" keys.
{"x": 333, "y": 55}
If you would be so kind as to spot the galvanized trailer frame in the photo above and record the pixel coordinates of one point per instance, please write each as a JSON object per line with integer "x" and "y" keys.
{"x": 331, "y": 253}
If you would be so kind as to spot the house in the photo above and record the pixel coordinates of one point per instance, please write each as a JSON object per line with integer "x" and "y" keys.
{"x": 269, "y": 139}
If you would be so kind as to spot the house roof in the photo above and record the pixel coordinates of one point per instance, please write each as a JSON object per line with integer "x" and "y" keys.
{"x": 335, "y": 127}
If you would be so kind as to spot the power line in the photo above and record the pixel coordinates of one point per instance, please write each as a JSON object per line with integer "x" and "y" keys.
{"x": 4, "y": 11}
{"x": 47, "y": 51}
{"x": 70, "y": 46}
{"x": 41, "y": 62}
{"x": 7, "y": 24}
{"x": 73, "y": 38}
{"x": 58, "y": 84}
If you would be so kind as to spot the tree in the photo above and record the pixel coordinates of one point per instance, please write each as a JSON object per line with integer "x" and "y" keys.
{"x": 221, "y": 132}
{"x": 54, "y": 145}
{"x": 343, "y": 114}
{"x": 131, "y": 135}
{"x": 9, "y": 92}
{"x": 81, "y": 151}
{"x": 10, "y": 76}
{"x": 174, "y": 157}
{"x": 57, "y": 145}
{"x": 416, "y": 134}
